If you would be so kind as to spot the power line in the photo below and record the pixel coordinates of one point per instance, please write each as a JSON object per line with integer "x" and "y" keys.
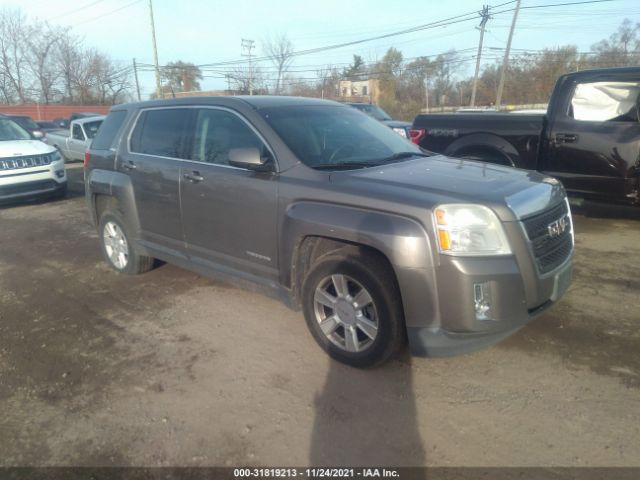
{"x": 71, "y": 12}
{"x": 98, "y": 17}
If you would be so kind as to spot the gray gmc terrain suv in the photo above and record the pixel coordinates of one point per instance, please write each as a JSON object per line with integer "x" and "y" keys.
{"x": 374, "y": 239}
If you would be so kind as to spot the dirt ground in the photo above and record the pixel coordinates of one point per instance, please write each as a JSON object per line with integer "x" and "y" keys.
{"x": 170, "y": 368}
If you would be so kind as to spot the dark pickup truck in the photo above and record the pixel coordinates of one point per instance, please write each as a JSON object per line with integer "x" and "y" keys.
{"x": 589, "y": 137}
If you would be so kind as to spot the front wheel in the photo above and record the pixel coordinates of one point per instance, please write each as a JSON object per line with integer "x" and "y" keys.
{"x": 352, "y": 307}
{"x": 117, "y": 247}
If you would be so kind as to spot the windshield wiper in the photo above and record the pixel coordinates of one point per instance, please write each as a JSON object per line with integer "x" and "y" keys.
{"x": 343, "y": 165}
{"x": 401, "y": 156}
{"x": 373, "y": 163}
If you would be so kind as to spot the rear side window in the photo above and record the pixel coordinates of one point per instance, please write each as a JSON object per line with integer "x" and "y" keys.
{"x": 107, "y": 132}
{"x": 160, "y": 132}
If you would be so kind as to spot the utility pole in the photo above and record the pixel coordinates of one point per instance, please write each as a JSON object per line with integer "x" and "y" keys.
{"x": 505, "y": 62}
{"x": 484, "y": 13}
{"x": 135, "y": 74}
{"x": 247, "y": 46}
{"x": 155, "y": 53}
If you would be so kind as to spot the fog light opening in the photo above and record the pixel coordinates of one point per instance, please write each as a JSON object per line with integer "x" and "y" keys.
{"x": 59, "y": 173}
{"x": 482, "y": 300}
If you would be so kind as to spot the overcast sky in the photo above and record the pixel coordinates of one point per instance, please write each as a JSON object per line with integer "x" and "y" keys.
{"x": 203, "y": 32}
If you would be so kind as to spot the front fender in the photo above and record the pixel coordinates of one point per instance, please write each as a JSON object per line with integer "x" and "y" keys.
{"x": 403, "y": 241}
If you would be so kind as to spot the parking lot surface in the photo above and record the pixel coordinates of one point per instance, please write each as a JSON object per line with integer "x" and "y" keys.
{"x": 171, "y": 368}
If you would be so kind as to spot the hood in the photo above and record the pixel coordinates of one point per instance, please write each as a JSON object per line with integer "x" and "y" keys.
{"x": 23, "y": 148}
{"x": 512, "y": 193}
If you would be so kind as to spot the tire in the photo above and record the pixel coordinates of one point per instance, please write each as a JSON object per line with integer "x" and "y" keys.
{"x": 119, "y": 252}
{"x": 362, "y": 271}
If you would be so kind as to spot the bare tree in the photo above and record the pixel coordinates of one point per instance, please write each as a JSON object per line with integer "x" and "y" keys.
{"x": 13, "y": 58}
{"x": 239, "y": 79}
{"x": 41, "y": 44}
{"x": 68, "y": 57}
{"x": 328, "y": 81}
{"x": 280, "y": 50}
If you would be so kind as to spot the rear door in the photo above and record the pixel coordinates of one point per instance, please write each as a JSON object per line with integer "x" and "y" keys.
{"x": 593, "y": 142}
{"x": 229, "y": 213}
{"x": 152, "y": 161}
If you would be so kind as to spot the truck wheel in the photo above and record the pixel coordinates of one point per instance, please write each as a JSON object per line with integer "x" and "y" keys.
{"x": 352, "y": 306}
{"x": 117, "y": 247}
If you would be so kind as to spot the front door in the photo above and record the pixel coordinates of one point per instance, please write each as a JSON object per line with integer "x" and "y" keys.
{"x": 77, "y": 143}
{"x": 153, "y": 165}
{"x": 593, "y": 144}
{"x": 229, "y": 213}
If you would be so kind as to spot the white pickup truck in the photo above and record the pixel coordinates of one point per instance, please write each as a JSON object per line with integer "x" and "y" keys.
{"x": 74, "y": 142}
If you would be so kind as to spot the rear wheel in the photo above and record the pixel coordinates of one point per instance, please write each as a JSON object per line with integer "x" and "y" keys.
{"x": 352, "y": 306}
{"x": 117, "y": 247}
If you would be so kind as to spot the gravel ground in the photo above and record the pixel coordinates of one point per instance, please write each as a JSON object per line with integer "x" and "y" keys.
{"x": 170, "y": 368}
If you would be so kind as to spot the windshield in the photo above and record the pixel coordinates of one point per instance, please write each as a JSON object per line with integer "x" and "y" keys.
{"x": 25, "y": 122}
{"x": 9, "y": 130}
{"x": 375, "y": 112}
{"x": 322, "y": 136}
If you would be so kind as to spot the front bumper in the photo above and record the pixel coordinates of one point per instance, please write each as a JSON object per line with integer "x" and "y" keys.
{"x": 460, "y": 330}
{"x": 33, "y": 182}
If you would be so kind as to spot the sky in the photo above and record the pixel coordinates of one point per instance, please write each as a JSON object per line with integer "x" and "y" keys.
{"x": 204, "y": 32}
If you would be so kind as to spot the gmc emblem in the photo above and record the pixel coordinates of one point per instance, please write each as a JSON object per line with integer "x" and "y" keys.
{"x": 558, "y": 227}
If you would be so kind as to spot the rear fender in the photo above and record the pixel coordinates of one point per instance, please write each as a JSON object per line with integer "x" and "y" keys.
{"x": 119, "y": 187}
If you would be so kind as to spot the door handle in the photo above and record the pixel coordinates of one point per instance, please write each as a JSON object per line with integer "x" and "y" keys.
{"x": 129, "y": 165}
{"x": 566, "y": 137}
{"x": 193, "y": 177}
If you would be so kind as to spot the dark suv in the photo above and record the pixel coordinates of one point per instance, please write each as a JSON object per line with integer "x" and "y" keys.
{"x": 330, "y": 210}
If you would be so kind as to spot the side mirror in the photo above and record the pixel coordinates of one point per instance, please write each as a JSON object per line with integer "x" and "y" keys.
{"x": 248, "y": 158}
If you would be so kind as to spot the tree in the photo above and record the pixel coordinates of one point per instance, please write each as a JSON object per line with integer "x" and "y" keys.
{"x": 444, "y": 69}
{"x": 387, "y": 71}
{"x": 41, "y": 43}
{"x": 279, "y": 49}
{"x": 621, "y": 49}
{"x": 181, "y": 76}
{"x": 356, "y": 69}
{"x": 13, "y": 54}
{"x": 239, "y": 80}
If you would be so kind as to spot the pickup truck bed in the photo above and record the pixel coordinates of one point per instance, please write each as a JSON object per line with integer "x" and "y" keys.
{"x": 504, "y": 138}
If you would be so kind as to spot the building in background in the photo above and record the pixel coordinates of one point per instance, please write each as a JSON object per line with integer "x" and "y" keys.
{"x": 359, "y": 90}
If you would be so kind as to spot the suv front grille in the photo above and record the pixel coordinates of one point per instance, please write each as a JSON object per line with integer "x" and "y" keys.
{"x": 551, "y": 247}
{"x": 16, "y": 163}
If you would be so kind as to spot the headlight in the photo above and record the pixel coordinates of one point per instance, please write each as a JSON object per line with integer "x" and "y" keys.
{"x": 400, "y": 131}
{"x": 55, "y": 156}
{"x": 469, "y": 230}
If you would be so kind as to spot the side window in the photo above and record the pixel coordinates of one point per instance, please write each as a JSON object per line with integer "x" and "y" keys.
{"x": 77, "y": 132}
{"x": 160, "y": 132}
{"x": 217, "y": 132}
{"x": 605, "y": 102}
{"x": 91, "y": 128}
